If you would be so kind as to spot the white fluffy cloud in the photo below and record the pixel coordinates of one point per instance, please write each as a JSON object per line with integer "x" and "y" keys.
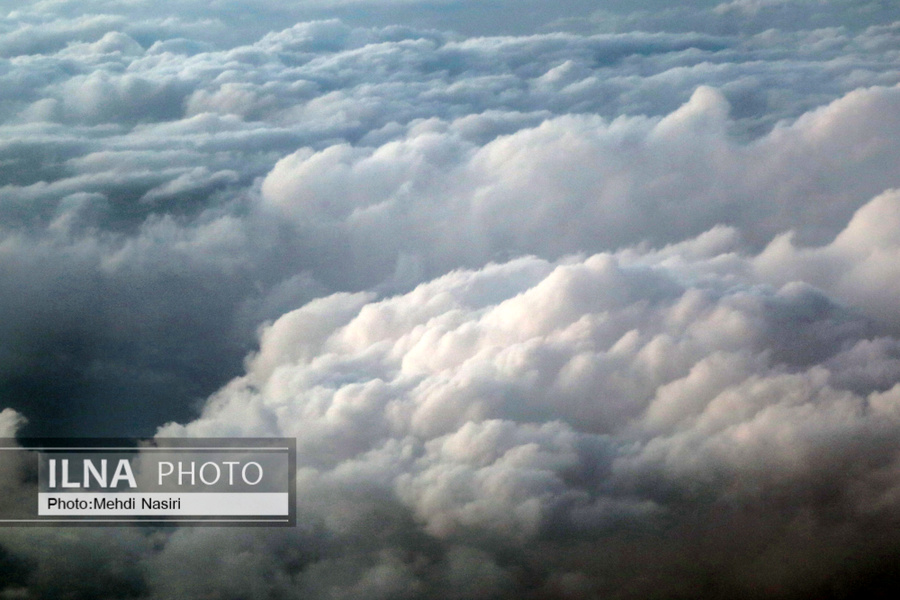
{"x": 585, "y": 184}
{"x": 142, "y": 159}
{"x": 530, "y": 400}
{"x": 577, "y": 304}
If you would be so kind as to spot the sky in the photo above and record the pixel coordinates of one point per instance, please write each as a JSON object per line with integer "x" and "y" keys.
{"x": 560, "y": 300}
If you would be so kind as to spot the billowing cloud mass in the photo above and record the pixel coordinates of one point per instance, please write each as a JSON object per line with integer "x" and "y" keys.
{"x": 559, "y": 300}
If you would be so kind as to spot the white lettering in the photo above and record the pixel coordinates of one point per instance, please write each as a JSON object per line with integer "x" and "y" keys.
{"x": 123, "y": 471}
{"x": 244, "y": 473}
{"x": 218, "y": 473}
{"x": 65, "y": 476}
{"x": 167, "y": 473}
{"x": 100, "y": 477}
{"x": 182, "y": 472}
{"x": 231, "y": 464}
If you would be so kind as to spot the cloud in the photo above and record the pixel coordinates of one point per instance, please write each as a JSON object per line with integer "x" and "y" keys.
{"x": 581, "y": 183}
{"x": 556, "y": 306}
{"x": 753, "y": 7}
{"x": 857, "y": 267}
{"x": 533, "y": 401}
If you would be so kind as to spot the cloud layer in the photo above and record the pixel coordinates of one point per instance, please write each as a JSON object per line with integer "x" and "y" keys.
{"x": 581, "y": 304}
{"x": 175, "y": 194}
{"x": 523, "y": 428}
{"x": 602, "y": 402}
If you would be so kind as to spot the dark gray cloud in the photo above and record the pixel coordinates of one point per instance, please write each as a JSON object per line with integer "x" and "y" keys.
{"x": 560, "y": 300}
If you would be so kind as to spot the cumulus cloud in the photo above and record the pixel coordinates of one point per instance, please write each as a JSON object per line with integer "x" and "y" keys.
{"x": 143, "y": 160}
{"x": 577, "y": 304}
{"x": 583, "y": 183}
{"x": 531, "y": 402}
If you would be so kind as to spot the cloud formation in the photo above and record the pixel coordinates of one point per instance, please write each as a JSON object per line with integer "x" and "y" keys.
{"x": 528, "y": 424}
{"x": 134, "y": 148}
{"x": 580, "y": 304}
